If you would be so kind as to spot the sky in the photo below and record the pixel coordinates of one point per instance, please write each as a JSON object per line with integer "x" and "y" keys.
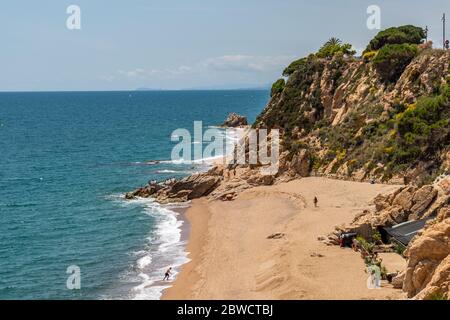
{"x": 183, "y": 44}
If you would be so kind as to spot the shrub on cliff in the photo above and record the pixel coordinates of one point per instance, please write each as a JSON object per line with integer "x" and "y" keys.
{"x": 369, "y": 55}
{"x": 396, "y": 35}
{"x": 333, "y": 47}
{"x": 423, "y": 128}
{"x": 302, "y": 105}
{"x": 392, "y": 59}
{"x": 448, "y": 72}
{"x": 277, "y": 87}
{"x": 297, "y": 65}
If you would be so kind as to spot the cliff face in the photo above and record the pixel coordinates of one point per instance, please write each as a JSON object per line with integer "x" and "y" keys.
{"x": 383, "y": 118}
{"x": 355, "y": 125}
{"x": 428, "y": 272}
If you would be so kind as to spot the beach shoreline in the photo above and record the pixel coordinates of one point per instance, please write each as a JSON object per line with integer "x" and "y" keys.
{"x": 197, "y": 217}
{"x": 232, "y": 257}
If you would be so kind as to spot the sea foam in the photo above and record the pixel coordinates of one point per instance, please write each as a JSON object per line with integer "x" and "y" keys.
{"x": 166, "y": 249}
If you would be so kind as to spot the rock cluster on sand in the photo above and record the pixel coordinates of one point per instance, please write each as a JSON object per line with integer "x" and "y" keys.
{"x": 212, "y": 183}
{"x": 191, "y": 187}
{"x": 405, "y": 204}
{"x": 427, "y": 275}
{"x": 235, "y": 120}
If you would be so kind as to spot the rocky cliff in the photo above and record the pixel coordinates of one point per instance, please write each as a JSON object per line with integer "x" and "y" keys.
{"x": 427, "y": 275}
{"x": 380, "y": 118}
{"x": 355, "y": 124}
{"x": 384, "y": 117}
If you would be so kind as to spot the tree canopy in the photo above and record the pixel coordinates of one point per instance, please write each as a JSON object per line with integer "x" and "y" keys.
{"x": 333, "y": 46}
{"x": 408, "y": 34}
{"x": 392, "y": 59}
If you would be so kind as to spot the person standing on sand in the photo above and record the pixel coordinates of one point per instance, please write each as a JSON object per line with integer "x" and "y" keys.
{"x": 315, "y": 201}
{"x": 355, "y": 244}
{"x": 234, "y": 172}
{"x": 168, "y": 273}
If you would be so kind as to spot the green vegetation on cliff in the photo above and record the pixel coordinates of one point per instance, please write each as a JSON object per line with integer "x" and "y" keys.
{"x": 385, "y": 114}
{"x": 299, "y": 64}
{"x": 392, "y": 59}
{"x": 422, "y": 128}
{"x": 333, "y": 47}
{"x": 396, "y": 35}
{"x": 277, "y": 87}
{"x": 329, "y": 49}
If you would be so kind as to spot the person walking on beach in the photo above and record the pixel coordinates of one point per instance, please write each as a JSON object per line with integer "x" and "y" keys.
{"x": 168, "y": 273}
{"x": 315, "y": 201}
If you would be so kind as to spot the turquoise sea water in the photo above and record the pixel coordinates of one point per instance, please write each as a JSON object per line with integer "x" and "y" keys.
{"x": 66, "y": 159}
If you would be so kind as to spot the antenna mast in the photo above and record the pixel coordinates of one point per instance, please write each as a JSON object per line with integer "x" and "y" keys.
{"x": 443, "y": 30}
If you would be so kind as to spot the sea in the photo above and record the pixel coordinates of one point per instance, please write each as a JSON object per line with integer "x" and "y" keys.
{"x": 66, "y": 161}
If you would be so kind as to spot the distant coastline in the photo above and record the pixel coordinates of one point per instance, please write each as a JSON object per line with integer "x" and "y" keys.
{"x": 233, "y": 88}
{"x": 138, "y": 90}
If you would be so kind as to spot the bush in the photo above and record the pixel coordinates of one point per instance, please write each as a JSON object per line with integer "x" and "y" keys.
{"x": 376, "y": 237}
{"x": 396, "y": 35}
{"x": 367, "y": 56}
{"x": 329, "y": 49}
{"x": 399, "y": 249}
{"x": 277, "y": 87}
{"x": 391, "y": 60}
{"x": 423, "y": 127}
{"x": 437, "y": 296}
{"x": 295, "y": 65}
{"x": 384, "y": 272}
{"x": 365, "y": 244}
{"x": 301, "y": 77}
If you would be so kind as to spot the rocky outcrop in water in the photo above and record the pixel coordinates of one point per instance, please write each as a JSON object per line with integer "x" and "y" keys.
{"x": 235, "y": 120}
{"x": 191, "y": 187}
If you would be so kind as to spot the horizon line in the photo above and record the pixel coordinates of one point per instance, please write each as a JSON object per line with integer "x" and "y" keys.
{"x": 134, "y": 90}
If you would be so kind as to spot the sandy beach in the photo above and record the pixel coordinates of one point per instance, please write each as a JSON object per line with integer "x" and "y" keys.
{"x": 232, "y": 256}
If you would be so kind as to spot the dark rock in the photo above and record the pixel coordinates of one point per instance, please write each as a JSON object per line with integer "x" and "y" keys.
{"x": 276, "y": 236}
{"x": 197, "y": 185}
{"x": 235, "y": 120}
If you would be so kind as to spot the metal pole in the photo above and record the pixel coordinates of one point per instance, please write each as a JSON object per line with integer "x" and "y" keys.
{"x": 443, "y": 30}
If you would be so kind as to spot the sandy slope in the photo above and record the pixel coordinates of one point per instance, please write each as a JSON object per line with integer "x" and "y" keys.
{"x": 233, "y": 259}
